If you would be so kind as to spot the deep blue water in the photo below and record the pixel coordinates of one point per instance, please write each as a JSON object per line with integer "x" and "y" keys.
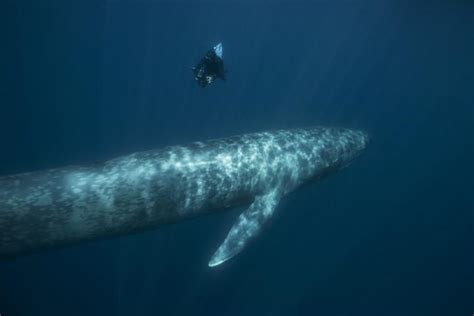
{"x": 392, "y": 234}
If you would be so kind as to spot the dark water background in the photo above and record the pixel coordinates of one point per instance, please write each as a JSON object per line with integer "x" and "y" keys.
{"x": 391, "y": 235}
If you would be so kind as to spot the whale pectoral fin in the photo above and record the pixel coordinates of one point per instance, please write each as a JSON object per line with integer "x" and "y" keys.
{"x": 248, "y": 226}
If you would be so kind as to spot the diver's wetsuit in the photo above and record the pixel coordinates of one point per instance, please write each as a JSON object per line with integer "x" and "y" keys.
{"x": 209, "y": 67}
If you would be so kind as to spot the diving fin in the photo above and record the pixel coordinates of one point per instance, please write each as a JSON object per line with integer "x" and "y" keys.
{"x": 218, "y": 50}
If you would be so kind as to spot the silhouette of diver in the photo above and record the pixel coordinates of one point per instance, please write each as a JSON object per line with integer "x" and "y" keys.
{"x": 210, "y": 67}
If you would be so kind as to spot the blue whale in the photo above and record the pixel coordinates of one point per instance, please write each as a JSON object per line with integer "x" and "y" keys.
{"x": 143, "y": 190}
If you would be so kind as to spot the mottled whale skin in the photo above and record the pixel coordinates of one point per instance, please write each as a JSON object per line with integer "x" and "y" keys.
{"x": 144, "y": 190}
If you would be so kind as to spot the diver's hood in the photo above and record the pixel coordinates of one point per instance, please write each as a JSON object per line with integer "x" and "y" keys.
{"x": 219, "y": 50}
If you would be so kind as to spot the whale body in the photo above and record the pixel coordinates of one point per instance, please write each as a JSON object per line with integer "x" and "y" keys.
{"x": 144, "y": 190}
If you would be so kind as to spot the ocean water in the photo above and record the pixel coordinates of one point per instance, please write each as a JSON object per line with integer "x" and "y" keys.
{"x": 392, "y": 234}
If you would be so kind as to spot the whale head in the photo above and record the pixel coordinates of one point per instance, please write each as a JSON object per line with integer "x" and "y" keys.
{"x": 323, "y": 151}
{"x": 352, "y": 143}
{"x": 289, "y": 159}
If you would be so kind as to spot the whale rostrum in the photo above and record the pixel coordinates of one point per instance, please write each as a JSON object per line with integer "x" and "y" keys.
{"x": 144, "y": 190}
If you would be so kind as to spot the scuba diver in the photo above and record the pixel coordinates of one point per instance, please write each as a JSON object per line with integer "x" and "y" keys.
{"x": 210, "y": 67}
